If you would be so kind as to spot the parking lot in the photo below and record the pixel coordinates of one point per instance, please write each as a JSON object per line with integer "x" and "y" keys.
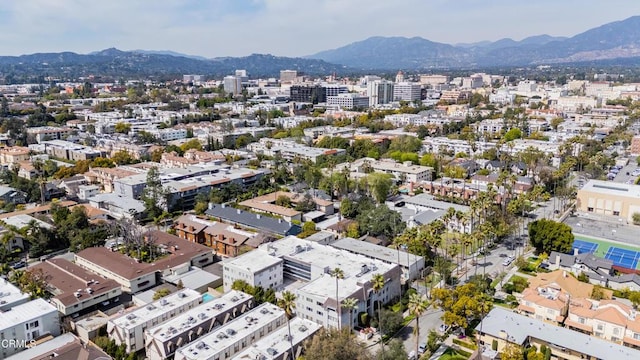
{"x": 626, "y": 174}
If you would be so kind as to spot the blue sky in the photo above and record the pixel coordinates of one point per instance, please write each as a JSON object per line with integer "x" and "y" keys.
{"x": 284, "y": 27}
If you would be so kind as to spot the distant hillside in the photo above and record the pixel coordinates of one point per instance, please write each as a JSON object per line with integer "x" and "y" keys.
{"x": 616, "y": 40}
{"x": 117, "y": 63}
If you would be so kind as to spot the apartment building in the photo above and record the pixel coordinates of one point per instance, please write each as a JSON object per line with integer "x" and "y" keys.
{"x": 71, "y": 151}
{"x": 380, "y": 92}
{"x": 162, "y": 341}
{"x": 107, "y": 176}
{"x": 402, "y": 172}
{"x": 250, "y": 220}
{"x": 225, "y": 239}
{"x": 277, "y": 346}
{"x": 291, "y": 150}
{"x": 129, "y": 328}
{"x": 506, "y": 327}
{"x": 230, "y": 339}
{"x": 135, "y": 276}
{"x": 170, "y": 134}
{"x": 256, "y": 268}
{"x": 11, "y": 296}
{"x": 74, "y": 289}
{"x": 26, "y": 323}
{"x": 44, "y": 133}
{"x": 9, "y": 156}
{"x": 310, "y": 262}
{"x": 406, "y": 91}
{"x": 411, "y": 265}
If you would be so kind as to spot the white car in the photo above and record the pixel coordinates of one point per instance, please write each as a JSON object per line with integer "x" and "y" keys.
{"x": 507, "y": 261}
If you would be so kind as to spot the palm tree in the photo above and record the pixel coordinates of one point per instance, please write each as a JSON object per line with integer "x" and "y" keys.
{"x": 339, "y": 275}
{"x": 418, "y": 304}
{"x": 350, "y": 304}
{"x": 288, "y": 304}
{"x": 377, "y": 284}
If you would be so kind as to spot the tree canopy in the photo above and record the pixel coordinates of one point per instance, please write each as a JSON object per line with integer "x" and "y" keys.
{"x": 336, "y": 345}
{"x": 548, "y": 235}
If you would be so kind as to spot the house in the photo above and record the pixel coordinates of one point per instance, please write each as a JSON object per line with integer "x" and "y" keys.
{"x": 27, "y": 323}
{"x": 225, "y": 239}
{"x": 11, "y": 195}
{"x": 64, "y": 347}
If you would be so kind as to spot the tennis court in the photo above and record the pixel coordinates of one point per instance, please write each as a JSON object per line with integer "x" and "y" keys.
{"x": 584, "y": 246}
{"x": 623, "y": 257}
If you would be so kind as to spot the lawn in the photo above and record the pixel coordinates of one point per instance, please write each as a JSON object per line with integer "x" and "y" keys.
{"x": 452, "y": 354}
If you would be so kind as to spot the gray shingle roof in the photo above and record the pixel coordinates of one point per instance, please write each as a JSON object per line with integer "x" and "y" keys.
{"x": 248, "y": 219}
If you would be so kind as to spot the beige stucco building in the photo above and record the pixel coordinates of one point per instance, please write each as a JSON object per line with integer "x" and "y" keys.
{"x": 608, "y": 198}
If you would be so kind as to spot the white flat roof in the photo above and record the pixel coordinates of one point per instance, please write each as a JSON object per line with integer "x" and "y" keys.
{"x": 25, "y": 312}
{"x": 156, "y": 309}
{"x": 241, "y": 327}
{"x": 277, "y": 343}
{"x": 611, "y": 188}
{"x": 254, "y": 261}
{"x": 370, "y": 250}
{"x": 10, "y": 293}
{"x": 197, "y": 315}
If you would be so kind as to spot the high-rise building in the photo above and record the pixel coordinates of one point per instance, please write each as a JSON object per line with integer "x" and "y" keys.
{"x": 380, "y": 92}
{"x": 406, "y": 91}
{"x": 308, "y": 93}
{"x": 288, "y": 76}
{"x": 232, "y": 84}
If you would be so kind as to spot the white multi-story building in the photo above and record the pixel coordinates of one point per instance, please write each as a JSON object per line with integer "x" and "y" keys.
{"x": 443, "y": 144}
{"x": 573, "y": 103}
{"x": 129, "y": 329}
{"x": 232, "y": 84}
{"x": 405, "y": 172}
{"x": 289, "y": 149}
{"x": 433, "y": 79}
{"x": 406, "y": 91}
{"x": 348, "y": 101}
{"x": 23, "y": 324}
{"x": 491, "y": 126}
{"x": 11, "y": 295}
{"x": 254, "y": 268}
{"x": 277, "y": 346}
{"x": 236, "y": 336}
{"x": 162, "y": 341}
{"x": 472, "y": 82}
{"x": 312, "y": 263}
{"x": 380, "y": 92}
{"x": 170, "y": 134}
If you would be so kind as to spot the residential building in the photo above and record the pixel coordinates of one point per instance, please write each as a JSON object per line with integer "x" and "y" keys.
{"x": 135, "y": 276}
{"x": 607, "y": 198}
{"x": 44, "y": 133}
{"x": 380, "y": 92}
{"x": 247, "y": 219}
{"x": 106, "y": 176}
{"x": 11, "y": 195}
{"x": 170, "y": 134}
{"x": 290, "y": 149}
{"x": 129, "y": 329}
{"x": 161, "y": 341}
{"x": 266, "y": 204}
{"x": 225, "y": 239}
{"x": 277, "y": 346}
{"x": 64, "y": 347}
{"x": 635, "y": 145}
{"x": 255, "y": 268}
{"x": 308, "y": 93}
{"x": 402, "y": 172}
{"x": 506, "y": 327}
{"x": 71, "y": 151}
{"x": 237, "y": 335}
{"x": 433, "y": 79}
{"x": 310, "y": 262}
{"x": 87, "y": 191}
{"x": 606, "y": 319}
{"x": 26, "y": 323}
{"x": 11, "y": 295}
{"x": 411, "y": 265}
{"x": 10, "y": 156}
{"x": 74, "y": 289}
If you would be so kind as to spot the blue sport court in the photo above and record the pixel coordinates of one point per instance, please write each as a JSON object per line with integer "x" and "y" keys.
{"x": 622, "y": 257}
{"x": 584, "y": 246}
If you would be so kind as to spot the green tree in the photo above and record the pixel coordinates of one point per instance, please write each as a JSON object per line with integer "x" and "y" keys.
{"x": 380, "y": 186}
{"x": 336, "y": 345}
{"x": 160, "y": 293}
{"x": 288, "y": 304}
{"x": 512, "y": 134}
{"x": 191, "y": 144}
{"x": 377, "y": 284}
{"x": 417, "y": 305}
{"x": 512, "y": 352}
{"x": 548, "y": 235}
{"x": 122, "y": 128}
{"x": 122, "y": 157}
{"x": 283, "y": 200}
{"x": 395, "y": 351}
{"x": 154, "y": 196}
{"x": 338, "y": 274}
{"x": 350, "y": 304}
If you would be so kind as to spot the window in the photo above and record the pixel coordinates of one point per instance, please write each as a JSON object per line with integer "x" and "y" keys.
{"x": 616, "y": 331}
{"x": 616, "y": 213}
{"x": 636, "y": 336}
{"x": 590, "y": 209}
{"x": 581, "y": 320}
{"x": 600, "y": 327}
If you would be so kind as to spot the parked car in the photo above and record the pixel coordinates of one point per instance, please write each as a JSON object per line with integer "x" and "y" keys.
{"x": 443, "y": 328}
{"x": 422, "y": 348}
{"x": 412, "y": 355}
{"x": 19, "y": 264}
{"x": 507, "y": 261}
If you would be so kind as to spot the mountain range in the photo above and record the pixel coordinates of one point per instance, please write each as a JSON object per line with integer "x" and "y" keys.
{"x": 616, "y": 40}
{"x": 612, "y": 43}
